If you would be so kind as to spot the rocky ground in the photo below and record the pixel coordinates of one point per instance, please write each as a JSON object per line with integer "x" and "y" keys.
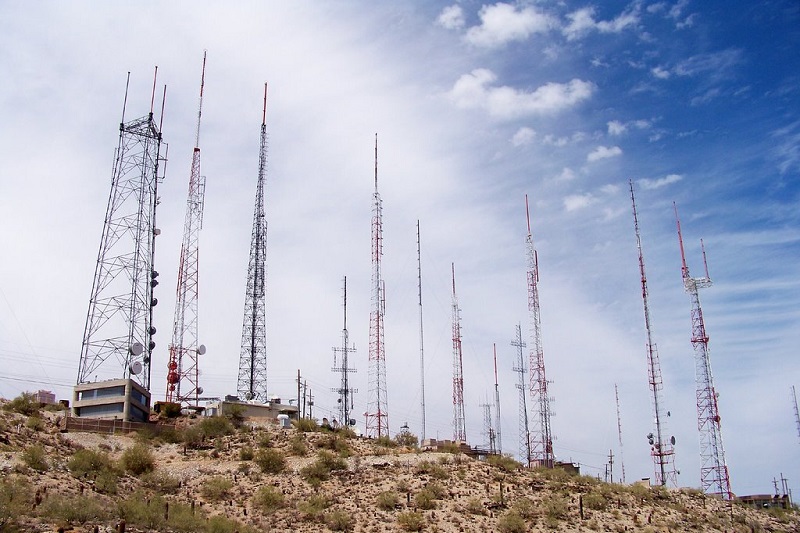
{"x": 212, "y": 476}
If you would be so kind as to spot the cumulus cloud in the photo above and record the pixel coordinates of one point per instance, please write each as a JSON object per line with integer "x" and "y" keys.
{"x": 661, "y": 73}
{"x": 523, "y": 136}
{"x": 582, "y": 21}
{"x": 451, "y": 17}
{"x": 603, "y": 152}
{"x": 502, "y": 23}
{"x": 552, "y": 140}
{"x": 615, "y": 127}
{"x": 476, "y": 90}
{"x": 657, "y": 183}
{"x": 567, "y": 174}
{"x": 574, "y": 202}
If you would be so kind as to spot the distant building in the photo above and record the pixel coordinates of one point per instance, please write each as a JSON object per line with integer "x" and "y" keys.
{"x": 122, "y": 399}
{"x": 765, "y": 501}
{"x": 271, "y": 409}
{"x": 45, "y": 396}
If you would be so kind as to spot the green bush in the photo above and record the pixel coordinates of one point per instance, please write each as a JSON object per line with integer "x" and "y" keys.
{"x": 235, "y": 414}
{"x": 305, "y": 425}
{"x": 511, "y": 522}
{"x": 475, "y": 506}
{"x": 556, "y": 507}
{"x": 160, "y": 482}
{"x": 86, "y": 463}
{"x": 297, "y": 445}
{"x": 270, "y": 461}
{"x": 314, "y": 507}
{"x": 74, "y": 509}
{"x": 339, "y": 521}
{"x": 106, "y": 482}
{"x": 193, "y": 437}
{"x": 216, "y": 488}
{"x": 595, "y": 500}
{"x": 16, "y": 499}
{"x": 24, "y": 404}
{"x": 216, "y": 426}
{"x": 35, "y": 423}
{"x": 525, "y": 508}
{"x": 425, "y": 499}
{"x": 438, "y": 491}
{"x": 142, "y": 510}
{"x": 387, "y": 500}
{"x": 246, "y": 453}
{"x": 35, "y": 457}
{"x": 407, "y": 439}
{"x": 386, "y": 441}
{"x": 503, "y": 462}
{"x": 268, "y": 499}
{"x": 336, "y": 443}
{"x": 411, "y": 521}
{"x": 138, "y": 459}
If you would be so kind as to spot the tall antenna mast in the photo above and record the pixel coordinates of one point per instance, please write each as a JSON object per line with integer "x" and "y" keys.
{"x": 183, "y": 371}
{"x": 118, "y": 334}
{"x": 714, "y": 476}
{"x": 522, "y": 386}
{"x": 796, "y": 412}
{"x": 661, "y": 450}
{"x": 498, "y": 431}
{"x": 345, "y": 391}
{"x": 421, "y": 344}
{"x": 459, "y": 431}
{"x": 619, "y": 432}
{"x": 541, "y": 438}
{"x": 488, "y": 427}
{"x": 252, "y": 381}
{"x": 377, "y": 416}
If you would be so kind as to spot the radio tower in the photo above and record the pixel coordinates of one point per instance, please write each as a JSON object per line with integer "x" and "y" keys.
{"x": 183, "y": 372}
{"x": 252, "y": 383}
{"x": 459, "y": 432}
{"x": 619, "y": 432}
{"x": 714, "y": 475}
{"x": 421, "y": 344}
{"x": 796, "y": 412}
{"x": 542, "y": 438}
{"x": 661, "y": 450}
{"x": 344, "y": 390}
{"x": 377, "y": 417}
{"x": 118, "y": 335}
{"x": 498, "y": 432}
{"x": 488, "y": 427}
{"x": 524, "y": 430}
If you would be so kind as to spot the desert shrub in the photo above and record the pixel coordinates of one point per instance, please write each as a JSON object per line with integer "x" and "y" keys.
{"x": 268, "y": 499}
{"x": 160, "y": 482}
{"x": 450, "y": 447}
{"x": 265, "y": 440}
{"x": 437, "y": 490}
{"x": 24, "y": 404}
{"x": 314, "y": 507}
{"x": 16, "y": 499}
{"x": 387, "y": 500}
{"x": 305, "y": 425}
{"x": 511, "y": 522}
{"x": 235, "y": 414}
{"x": 193, "y": 436}
{"x": 339, "y": 521}
{"x": 35, "y": 423}
{"x": 215, "y": 426}
{"x": 525, "y": 508}
{"x": 216, "y": 488}
{"x": 246, "y": 453}
{"x": 86, "y": 463}
{"x": 297, "y": 445}
{"x": 336, "y": 443}
{"x": 170, "y": 435}
{"x": 411, "y": 521}
{"x": 595, "y": 500}
{"x": 555, "y": 507}
{"x": 403, "y": 486}
{"x": 425, "y": 499}
{"x": 503, "y": 462}
{"x": 138, "y": 459}
{"x": 475, "y": 506}
{"x": 270, "y": 461}
{"x": 106, "y": 482}
{"x": 142, "y": 510}
{"x": 553, "y": 474}
{"x": 386, "y": 441}
{"x": 170, "y": 410}
{"x": 73, "y": 509}
{"x": 35, "y": 457}
{"x": 315, "y": 473}
{"x": 406, "y": 439}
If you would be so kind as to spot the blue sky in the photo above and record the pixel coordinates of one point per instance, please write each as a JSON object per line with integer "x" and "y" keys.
{"x": 475, "y": 105}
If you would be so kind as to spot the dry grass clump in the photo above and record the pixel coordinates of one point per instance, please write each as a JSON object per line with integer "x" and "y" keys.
{"x": 35, "y": 457}
{"x": 268, "y": 499}
{"x": 138, "y": 459}
{"x": 270, "y": 461}
{"x": 411, "y": 521}
{"x": 216, "y": 488}
{"x": 339, "y": 521}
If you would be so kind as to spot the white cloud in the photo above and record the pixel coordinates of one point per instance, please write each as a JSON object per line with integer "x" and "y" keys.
{"x": 651, "y": 184}
{"x": 574, "y": 202}
{"x": 706, "y": 97}
{"x": 582, "y": 21}
{"x": 615, "y": 127}
{"x": 451, "y": 17}
{"x": 474, "y": 90}
{"x": 661, "y": 73}
{"x": 717, "y": 63}
{"x": 567, "y": 174}
{"x": 502, "y": 23}
{"x": 552, "y": 140}
{"x": 603, "y": 152}
{"x": 523, "y": 136}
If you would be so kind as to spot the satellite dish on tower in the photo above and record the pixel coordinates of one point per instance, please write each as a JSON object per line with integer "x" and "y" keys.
{"x": 136, "y": 368}
{"x": 137, "y": 348}
{"x": 201, "y": 350}
{"x": 199, "y": 390}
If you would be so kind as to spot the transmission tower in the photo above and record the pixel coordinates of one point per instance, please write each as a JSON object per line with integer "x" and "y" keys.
{"x": 522, "y": 386}
{"x": 619, "y": 433}
{"x": 421, "y": 344}
{"x": 118, "y": 335}
{"x": 183, "y": 372}
{"x": 498, "y": 432}
{"x": 796, "y": 412}
{"x": 459, "y": 431}
{"x": 714, "y": 476}
{"x": 661, "y": 450}
{"x": 345, "y": 391}
{"x": 252, "y": 382}
{"x": 488, "y": 427}
{"x": 377, "y": 416}
{"x": 542, "y": 438}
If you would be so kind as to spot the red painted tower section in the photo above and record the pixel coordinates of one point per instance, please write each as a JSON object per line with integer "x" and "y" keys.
{"x": 459, "y": 430}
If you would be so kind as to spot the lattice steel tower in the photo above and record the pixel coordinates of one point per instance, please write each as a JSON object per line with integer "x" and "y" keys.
{"x": 252, "y": 383}
{"x": 498, "y": 431}
{"x": 796, "y": 411}
{"x": 522, "y": 386}
{"x": 541, "y": 435}
{"x": 661, "y": 449}
{"x": 377, "y": 416}
{"x": 459, "y": 430}
{"x": 183, "y": 371}
{"x": 714, "y": 475}
{"x": 345, "y": 391}
{"x": 118, "y": 335}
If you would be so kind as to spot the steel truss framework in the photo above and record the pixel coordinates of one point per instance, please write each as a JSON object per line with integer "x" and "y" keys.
{"x": 459, "y": 429}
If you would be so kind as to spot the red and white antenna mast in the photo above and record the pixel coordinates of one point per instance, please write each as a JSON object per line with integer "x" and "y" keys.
{"x": 714, "y": 475}
{"x": 377, "y": 417}
{"x": 183, "y": 372}
{"x": 459, "y": 431}
{"x": 541, "y": 435}
{"x": 661, "y": 450}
